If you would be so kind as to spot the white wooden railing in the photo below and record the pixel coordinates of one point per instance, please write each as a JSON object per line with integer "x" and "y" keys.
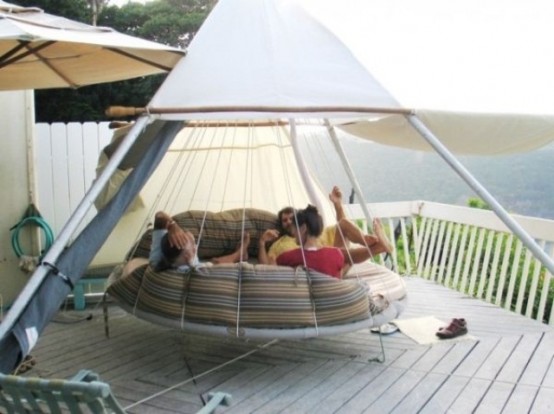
{"x": 463, "y": 248}
{"x": 472, "y": 251}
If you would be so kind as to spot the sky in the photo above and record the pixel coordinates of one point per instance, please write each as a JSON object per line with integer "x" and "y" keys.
{"x": 479, "y": 55}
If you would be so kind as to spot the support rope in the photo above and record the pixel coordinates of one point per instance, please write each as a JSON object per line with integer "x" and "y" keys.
{"x": 166, "y": 390}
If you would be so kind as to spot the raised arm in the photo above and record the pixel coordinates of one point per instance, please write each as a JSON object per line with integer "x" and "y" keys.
{"x": 336, "y": 198}
{"x": 176, "y": 235}
{"x": 267, "y": 236}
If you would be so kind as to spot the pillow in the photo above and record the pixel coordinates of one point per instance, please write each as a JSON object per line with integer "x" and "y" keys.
{"x": 220, "y": 233}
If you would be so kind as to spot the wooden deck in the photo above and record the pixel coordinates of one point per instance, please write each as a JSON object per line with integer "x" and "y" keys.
{"x": 508, "y": 368}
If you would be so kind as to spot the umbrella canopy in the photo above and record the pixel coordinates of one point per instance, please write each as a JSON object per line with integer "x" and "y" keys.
{"x": 39, "y": 50}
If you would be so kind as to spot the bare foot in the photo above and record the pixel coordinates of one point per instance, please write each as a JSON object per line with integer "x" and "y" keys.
{"x": 383, "y": 239}
{"x": 336, "y": 196}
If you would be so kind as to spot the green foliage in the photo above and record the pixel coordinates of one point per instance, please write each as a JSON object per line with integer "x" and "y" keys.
{"x": 71, "y": 9}
{"x": 171, "y": 22}
{"x": 475, "y": 202}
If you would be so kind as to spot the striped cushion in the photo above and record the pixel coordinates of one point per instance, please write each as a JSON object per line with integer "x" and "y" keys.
{"x": 381, "y": 281}
{"x": 270, "y": 296}
{"x": 274, "y": 296}
{"x": 220, "y": 233}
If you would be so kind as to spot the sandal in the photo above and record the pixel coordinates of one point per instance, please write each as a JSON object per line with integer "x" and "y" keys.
{"x": 457, "y": 327}
{"x": 27, "y": 364}
{"x": 386, "y": 329}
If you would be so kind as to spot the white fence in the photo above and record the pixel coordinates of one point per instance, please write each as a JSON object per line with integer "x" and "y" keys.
{"x": 66, "y": 156}
{"x": 467, "y": 249}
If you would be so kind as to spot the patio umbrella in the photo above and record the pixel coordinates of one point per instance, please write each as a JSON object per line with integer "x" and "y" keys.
{"x": 39, "y": 50}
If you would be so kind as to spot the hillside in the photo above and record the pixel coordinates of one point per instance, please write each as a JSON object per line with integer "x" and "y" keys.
{"x": 522, "y": 183}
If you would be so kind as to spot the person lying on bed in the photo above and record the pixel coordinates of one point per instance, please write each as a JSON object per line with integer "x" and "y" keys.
{"x": 332, "y": 261}
{"x": 338, "y": 235}
{"x": 175, "y": 248}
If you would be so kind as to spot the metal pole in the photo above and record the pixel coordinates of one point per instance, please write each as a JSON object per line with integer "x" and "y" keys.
{"x": 513, "y": 225}
{"x": 67, "y": 231}
{"x": 308, "y": 183}
{"x": 349, "y": 172}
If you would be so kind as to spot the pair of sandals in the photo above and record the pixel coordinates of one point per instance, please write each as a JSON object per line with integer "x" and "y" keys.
{"x": 457, "y": 327}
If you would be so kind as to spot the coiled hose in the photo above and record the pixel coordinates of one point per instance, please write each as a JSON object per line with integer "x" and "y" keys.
{"x": 37, "y": 221}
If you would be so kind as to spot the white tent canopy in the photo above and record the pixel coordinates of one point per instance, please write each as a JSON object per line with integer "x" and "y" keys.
{"x": 273, "y": 59}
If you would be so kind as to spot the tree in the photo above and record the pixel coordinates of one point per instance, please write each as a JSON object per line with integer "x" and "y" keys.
{"x": 96, "y": 7}
{"x": 171, "y": 22}
{"x": 71, "y": 9}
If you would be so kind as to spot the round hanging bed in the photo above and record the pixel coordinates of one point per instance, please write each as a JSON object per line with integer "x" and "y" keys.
{"x": 253, "y": 300}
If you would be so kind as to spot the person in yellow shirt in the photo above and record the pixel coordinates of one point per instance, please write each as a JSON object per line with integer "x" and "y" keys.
{"x": 339, "y": 235}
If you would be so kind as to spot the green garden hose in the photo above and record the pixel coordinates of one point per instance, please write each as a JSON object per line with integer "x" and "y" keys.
{"x": 38, "y": 221}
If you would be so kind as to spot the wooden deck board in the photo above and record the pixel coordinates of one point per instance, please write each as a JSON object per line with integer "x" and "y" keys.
{"x": 445, "y": 395}
{"x": 521, "y": 399}
{"x": 356, "y": 385}
{"x": 509, "y": 366}
{"x": 374, "y": 389}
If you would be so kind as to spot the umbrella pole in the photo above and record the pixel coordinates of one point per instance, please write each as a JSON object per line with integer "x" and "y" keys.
{"x": 464, "y": 173}
{"x": 67, "y": 231}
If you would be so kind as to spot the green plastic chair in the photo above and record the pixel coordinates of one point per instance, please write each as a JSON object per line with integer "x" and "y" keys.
{"x": 83, "y": 393}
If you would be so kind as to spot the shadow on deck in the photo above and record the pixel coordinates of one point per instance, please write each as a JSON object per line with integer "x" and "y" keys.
{"x": 507, "y": 367}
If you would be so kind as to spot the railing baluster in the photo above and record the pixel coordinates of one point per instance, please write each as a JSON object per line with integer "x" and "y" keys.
{"x": 452, "y": 254}
{"x": 468, "y": 257}
{"x": 476, "y": 261}
{"x": 438, "y": 250}
{"x": 407, "y": 255}
{"x": 513, "y": 275}
{"x": 523, "y": 281}
{"x": 418, "y": 238}
{"x": 544, "y": 294}
{"x": 532, "y": 294}
{"x": 460, "y": 257}
{"x": 423, "y": 252}
{"x": 484, "y": 274}
{"x": 504, "y": 271}
{"x": 394, "y": 254}
{"x": 430, "y": 251}
{"x": 445, "y": 251}
{"x": 496, "y": 259}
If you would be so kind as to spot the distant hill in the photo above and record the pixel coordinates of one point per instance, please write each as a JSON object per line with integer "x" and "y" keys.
{"x": 522, "y": 183}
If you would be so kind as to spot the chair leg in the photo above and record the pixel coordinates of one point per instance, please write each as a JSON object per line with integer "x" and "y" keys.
{"x": 380, "y": 358}
{"x": 214, "y": 400}
{"x": 106, "y": 320}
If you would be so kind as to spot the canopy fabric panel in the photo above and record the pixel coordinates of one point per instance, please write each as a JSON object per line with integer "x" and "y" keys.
{"x": 221, "y": 166}
{"x": 479, "y": 84}
{"x": 267, "y": 59}
{"x": 40, "y": 50}
{"x": 460, "y": 132}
